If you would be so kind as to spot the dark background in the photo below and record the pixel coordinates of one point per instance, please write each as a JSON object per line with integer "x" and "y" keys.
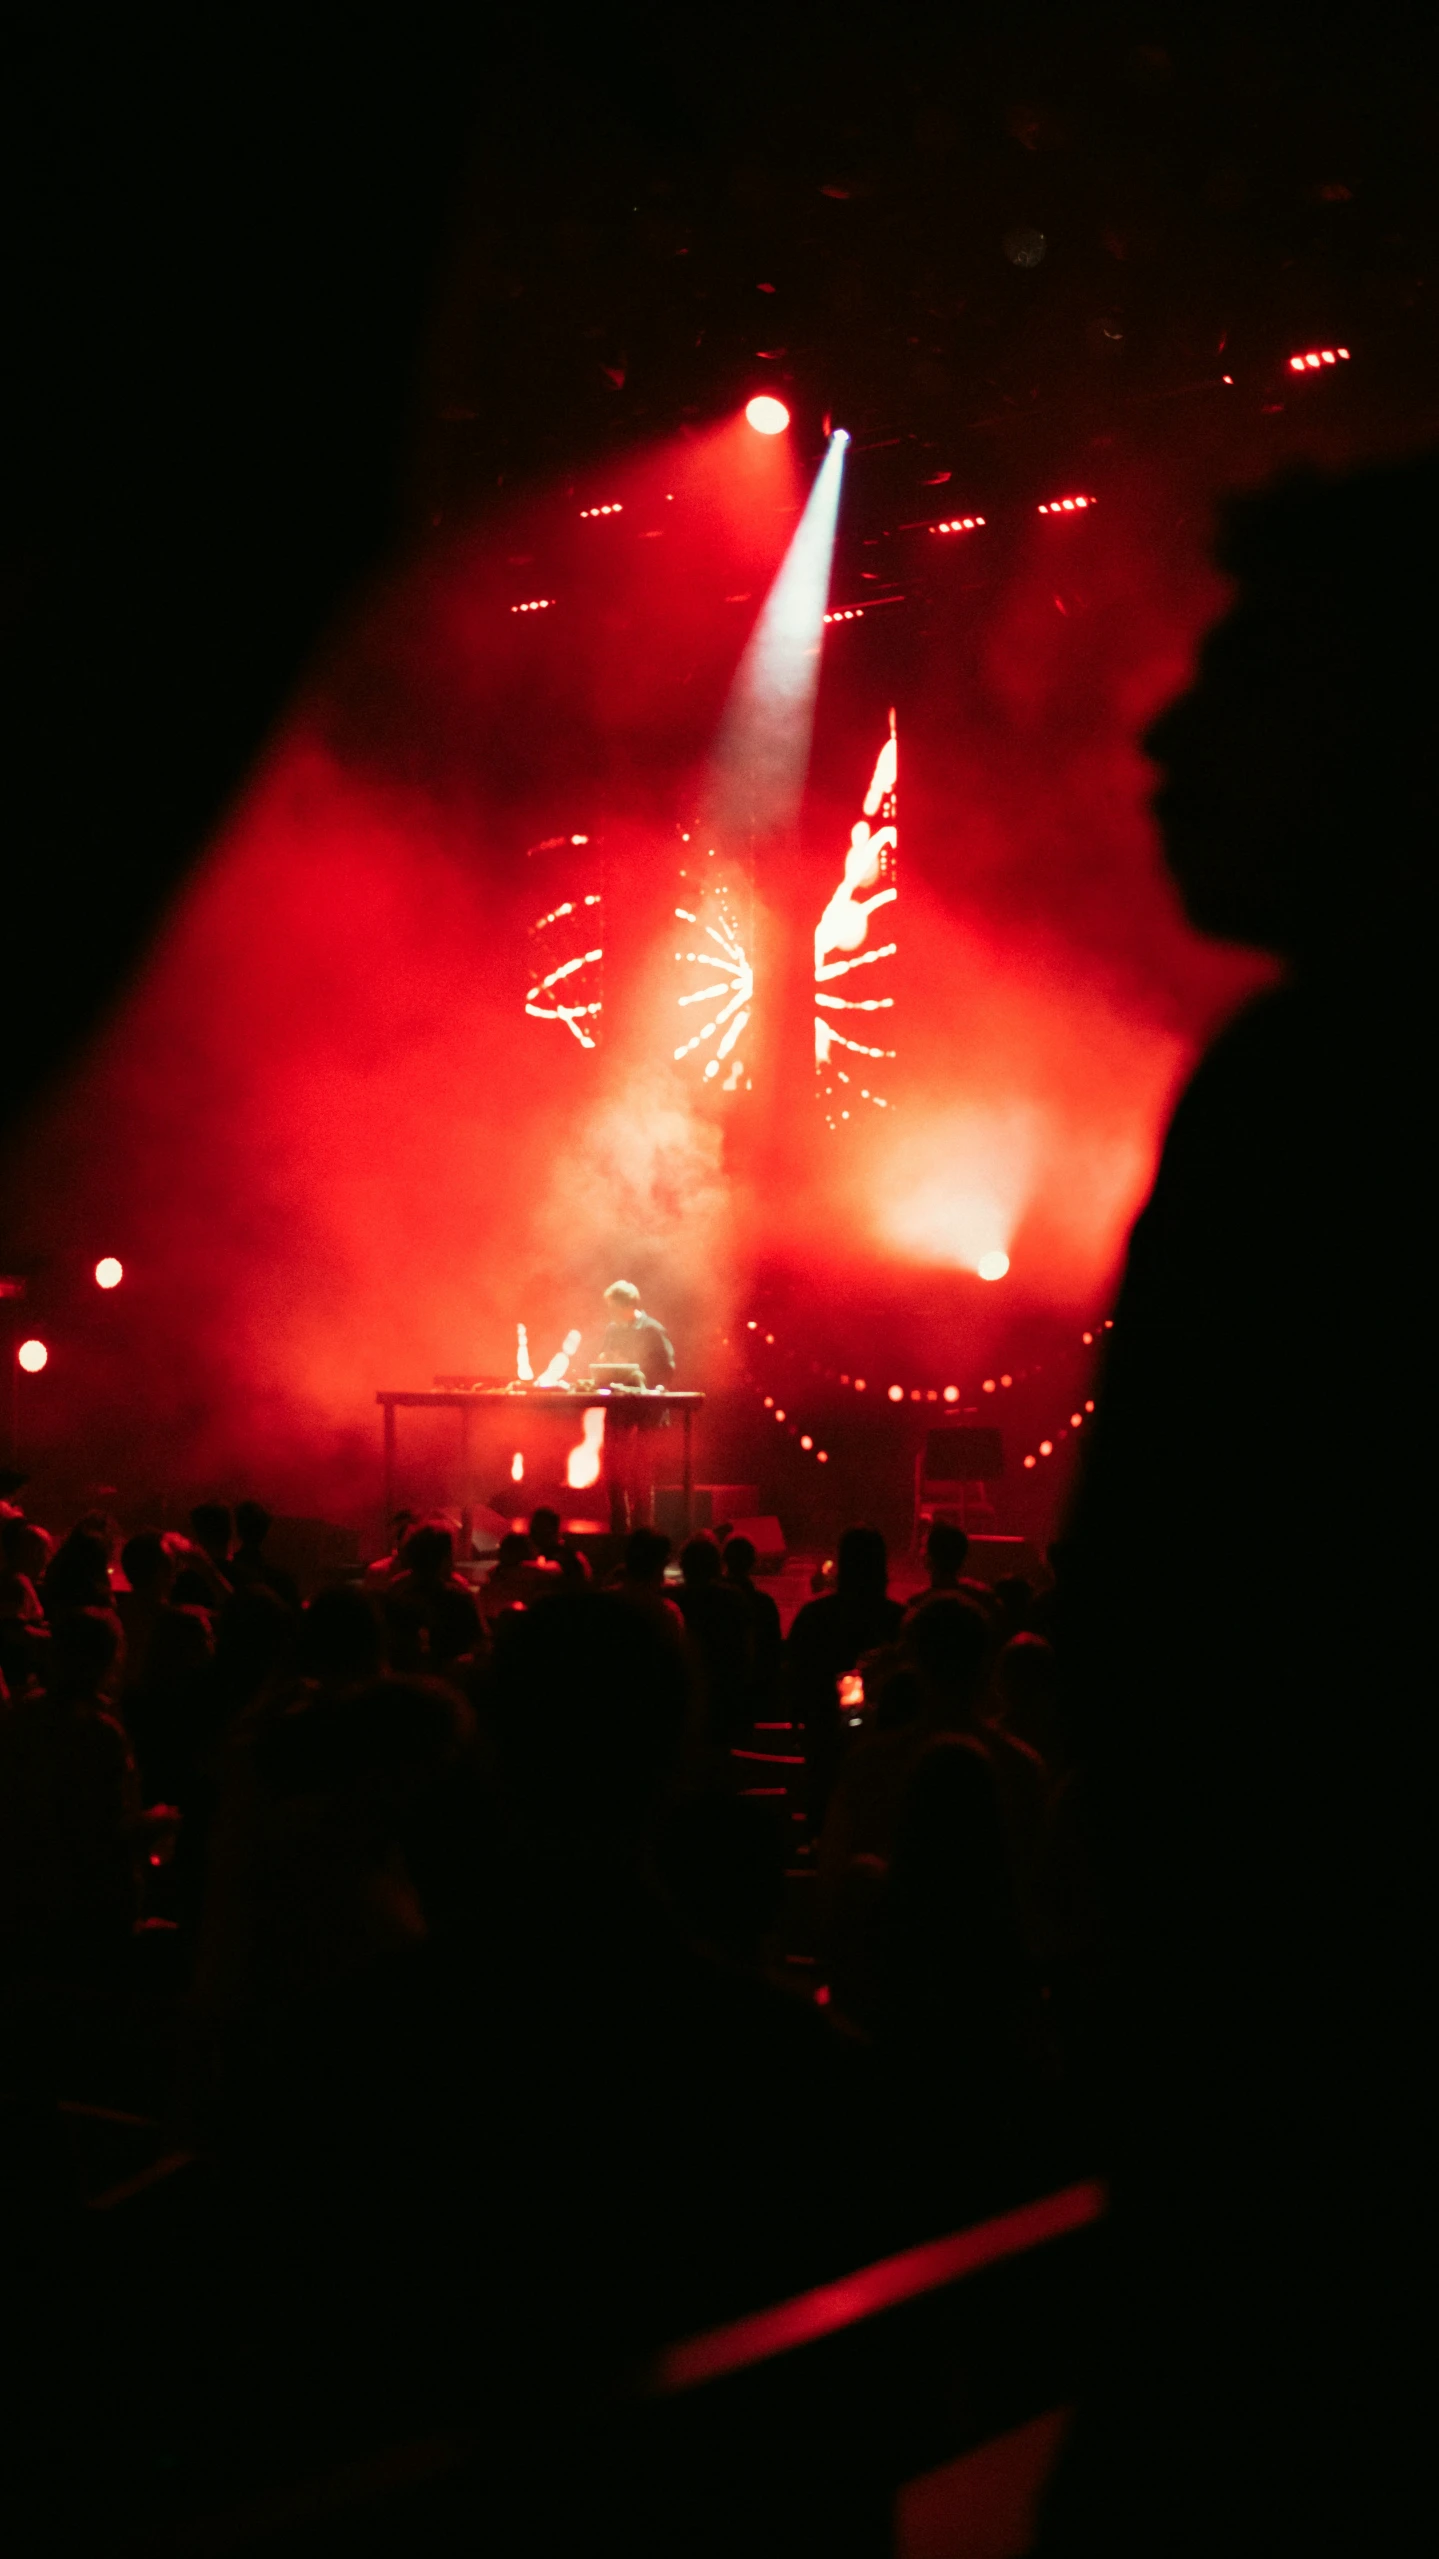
{"x": 281, "y": 296}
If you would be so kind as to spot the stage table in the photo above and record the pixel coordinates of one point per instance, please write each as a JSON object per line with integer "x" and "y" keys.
{"x": 467, "y": 1400}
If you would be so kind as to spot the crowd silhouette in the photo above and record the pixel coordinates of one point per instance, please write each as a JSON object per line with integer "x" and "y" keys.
{"x": 532, "y": 1964}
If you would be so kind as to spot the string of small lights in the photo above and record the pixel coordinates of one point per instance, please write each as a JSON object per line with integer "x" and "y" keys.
{"x": 1002, "y": 1382}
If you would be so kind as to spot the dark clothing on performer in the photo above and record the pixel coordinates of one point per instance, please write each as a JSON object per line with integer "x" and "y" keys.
{"x": 645, "y": 1343}
{"x": 629, "y": 1423}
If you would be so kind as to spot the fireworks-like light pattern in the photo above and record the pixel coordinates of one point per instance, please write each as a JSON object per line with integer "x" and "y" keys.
{"x": 841, "y": 945}
{"x": 727, "y": 969}
{"x": 568, "y": 992}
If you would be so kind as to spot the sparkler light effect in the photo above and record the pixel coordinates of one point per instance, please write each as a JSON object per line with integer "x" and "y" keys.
{"x": 868, "y": 883}
{"x": 572, "y": 990}
{"x": 582, "y": 1467}
{"x": 728, "y": 971}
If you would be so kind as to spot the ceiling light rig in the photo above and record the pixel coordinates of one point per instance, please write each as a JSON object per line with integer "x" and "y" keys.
{"x": 1068, "y": 506}
{"x": 1317, "y": 358}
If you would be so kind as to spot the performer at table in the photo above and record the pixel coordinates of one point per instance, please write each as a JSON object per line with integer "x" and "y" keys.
{"x": 639, "y": 1340}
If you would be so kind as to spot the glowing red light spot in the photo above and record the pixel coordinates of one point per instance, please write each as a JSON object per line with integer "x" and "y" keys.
{"x": 992, "y": 1266}
{"x": 1075, "y": 1420}
{"x": 751, "y": 1326}
{"x": 1086, "y": 1337}
{"x": 779, "y": 1412}
{"x": 769, "y": 1403}
{"x": 32, "y": 1356}
{"x": 109, "y": 1272}
{"x": 1046, "y": 1448}
{"x": 859, "y": 1386}
{"x": 766, "y": 415}
{"x": 769, "y": 1337}
{"x": 988, "y": 1386}
{"x": 1089, "y": 1407}
{"x": 896, "y": 1394}
{"x": 821, "y": 1456}
{"x": 1029, "y": 1461}
{"x": 951, "y": 1394}
{"x": 806, "y": 1441}
{"x": 517, "y": 1467}
{"x": 1296, "y": 364}
{"x": 1006, "y": 1381}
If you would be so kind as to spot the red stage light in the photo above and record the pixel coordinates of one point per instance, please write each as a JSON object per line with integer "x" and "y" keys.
{"x": 1089, "y": 1407}
{"x": 767, "y": 415}
{"x": 992, "y": 1266}
{"x": 1075, "y": 1420}
{"x": 806, "y": 1441}
{"x": 537, "y": 604}
{"x": 1006, "y": 1381}
{"x": 615, "y": 508}
{"x": 896, "y": 1394}
{"x": 951, "y": 1393}
{"x": 989, "y": 1386}
{"x": 1312, "y": 363}
{"x": 32, "y": 1356}
{"x": 779, "y": 1413}
{"x": 1029, "y": 1461}
{"x": 1046, "y": 1448}
{"x": 821, "y": 1457}
{"x": 959, "y": 524}
{"x": 859, "y": 1386}
{"x": 109, "y": 1272}
{"x": 1068, "y": 506}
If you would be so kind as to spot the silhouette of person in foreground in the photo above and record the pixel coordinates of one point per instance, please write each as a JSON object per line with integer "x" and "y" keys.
{"x": 1253, "y": 1757}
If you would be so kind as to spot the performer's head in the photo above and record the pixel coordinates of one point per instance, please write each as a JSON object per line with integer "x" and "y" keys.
{"x": 623, "y": 1300}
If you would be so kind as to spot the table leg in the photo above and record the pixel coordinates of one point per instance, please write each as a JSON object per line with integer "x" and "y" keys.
{"x": 389, "y": 1413}
{"x": 689, "y": 1474}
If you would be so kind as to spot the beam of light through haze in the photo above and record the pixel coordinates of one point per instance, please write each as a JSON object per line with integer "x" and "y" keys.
{"x": 761, "y": 754}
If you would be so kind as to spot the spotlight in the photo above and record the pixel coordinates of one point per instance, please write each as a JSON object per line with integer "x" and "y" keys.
{"x": 992, "y": 1266}
{"x": 896, "y": 1394}
{"x": 109, "y": 1272}
{"x": 1068, "y": 506}
{"x": 768, "y": 416}
{"x": 32, "y": 1356}
{"x": 951, "y": 1394}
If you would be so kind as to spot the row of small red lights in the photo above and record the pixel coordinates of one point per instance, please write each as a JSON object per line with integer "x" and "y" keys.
{"x": 1321, "y": 356}
{"x": 959, "y": 524}
{"x": 537, "y": 604}
{"x": 1076, "y": 1421}
{"x": 616, "y": 507}
{"x": 1067, "y": 506}
{"x": 846, "y": 613}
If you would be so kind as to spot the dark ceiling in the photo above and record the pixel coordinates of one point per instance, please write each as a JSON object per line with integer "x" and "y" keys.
{"x": 280, "y": 303}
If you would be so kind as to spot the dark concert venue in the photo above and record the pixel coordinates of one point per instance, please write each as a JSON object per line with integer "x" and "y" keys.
{"x": 715, "y": 1812}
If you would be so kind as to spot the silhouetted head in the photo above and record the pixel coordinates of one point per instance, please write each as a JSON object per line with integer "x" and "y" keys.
{"x": 623, "y": 1301}
{"x": 78, "y": 1573}
{"x": 255, "y": 1635}
{"x": 544, "y": 1529}
{"x": 1299, "y": 789}
{"x": 341, "y": 1637}
{"x": 252, "y": 1525}
{"x": 181, "y": 1643}
{"x": 863, "y": 1561}
{"x": 210, "y": 1528}
{"x": 26, "y": 1547}
{"x": 945, "y": 1549}
{"x": 147, "y": 1563}
{"x": 740, "y": 1558}
{"x": 700, "y": 1559}
{"x": 948, "y": 1641}
{"x": 647, "y": 1551}
{"x": 83, "y": 1651}
{"x": 516, "y": 1549}
{"x": 591, "y": 1701}
{"x": 429, "y": 1553}
{"x": 1025, "y": 1677}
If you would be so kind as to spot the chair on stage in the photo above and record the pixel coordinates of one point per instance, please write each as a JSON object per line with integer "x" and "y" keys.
{"x": 952, "y": 1475}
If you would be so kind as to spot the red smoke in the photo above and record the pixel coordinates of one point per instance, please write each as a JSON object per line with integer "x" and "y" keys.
{"x": 336, "y": 1155}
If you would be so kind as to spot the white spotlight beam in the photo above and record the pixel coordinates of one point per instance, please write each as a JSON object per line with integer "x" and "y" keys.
{"x": 762, "y": 751}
